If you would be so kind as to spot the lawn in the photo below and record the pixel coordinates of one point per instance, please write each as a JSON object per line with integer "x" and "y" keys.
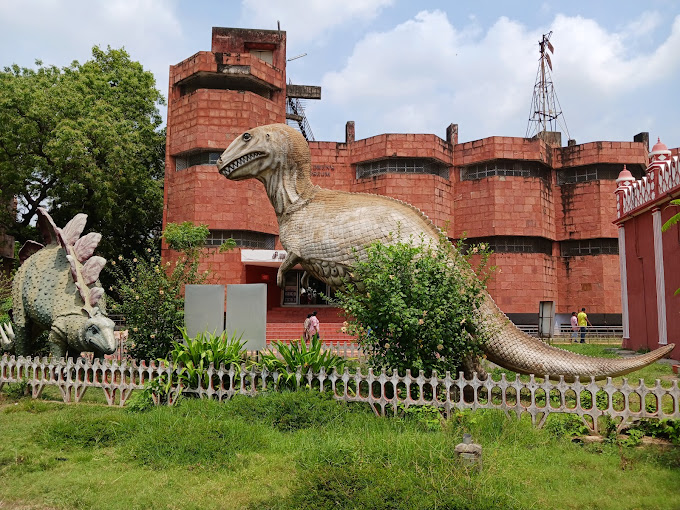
{"x": 305, "y": 451}
{"x": 302, "y": 450}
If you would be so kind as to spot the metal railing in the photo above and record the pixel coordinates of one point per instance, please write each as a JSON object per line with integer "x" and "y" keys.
{"x": 565, "y": 331}
{"x": 385, "y": 393}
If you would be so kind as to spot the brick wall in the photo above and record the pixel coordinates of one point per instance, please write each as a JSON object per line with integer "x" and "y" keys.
{"x": 507, "y": 206}
{"x": 585, "y": 210}
{"x": 601, "y": 152}
{"x": 524, "y": 279}
{"x": 211, "y": 119}
{"x": 593, "y": 282}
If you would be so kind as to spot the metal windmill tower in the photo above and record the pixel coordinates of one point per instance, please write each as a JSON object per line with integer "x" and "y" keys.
{"x": 546, "y": 113}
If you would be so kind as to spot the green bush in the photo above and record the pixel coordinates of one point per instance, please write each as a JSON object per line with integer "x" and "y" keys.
{"x": 149, "y": 293}
{"x": 415, "y": 309}
{"x": 17, "y": 390}
{"x": 5, "y": 297}
{"x": 297, "y": 355}
{"x": 289, "y": 410}
{"x": 196, "y": 354}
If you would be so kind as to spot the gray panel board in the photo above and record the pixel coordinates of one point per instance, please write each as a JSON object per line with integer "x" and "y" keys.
{"x": 204, "y": 309}
{"x": 247, "y": 313}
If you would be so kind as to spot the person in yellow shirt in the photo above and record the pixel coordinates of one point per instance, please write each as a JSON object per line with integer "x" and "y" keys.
{"x": 583, "y": 321}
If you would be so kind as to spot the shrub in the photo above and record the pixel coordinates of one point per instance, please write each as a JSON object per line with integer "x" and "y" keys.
{"x": 149, "y": 293}
{"x": 5, "y": 297}
{"x": 196, "y": 354}
{"x": 289, "y": 410}
{"x": 414, "y": 308}
{"x": 297, "y": 355}
{"x": 150, "y": 300}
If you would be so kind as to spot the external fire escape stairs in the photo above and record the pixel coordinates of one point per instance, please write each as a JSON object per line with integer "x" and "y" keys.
{"x": 295, "y": 108}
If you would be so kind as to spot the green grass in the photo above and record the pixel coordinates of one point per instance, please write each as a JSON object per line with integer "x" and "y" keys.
{"x": 302, "y": 450}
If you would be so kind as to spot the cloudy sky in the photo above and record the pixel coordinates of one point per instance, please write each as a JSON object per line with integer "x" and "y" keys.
{"x": 400, "y": 65}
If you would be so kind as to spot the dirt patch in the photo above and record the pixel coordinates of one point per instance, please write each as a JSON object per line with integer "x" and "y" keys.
{"x": 18, "y": 505}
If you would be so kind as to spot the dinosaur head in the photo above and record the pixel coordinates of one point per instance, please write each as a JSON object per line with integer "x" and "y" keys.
{"x": 276, "y": 155}
{"x": 254, "y": 153}
{"x": 97, "y": 334}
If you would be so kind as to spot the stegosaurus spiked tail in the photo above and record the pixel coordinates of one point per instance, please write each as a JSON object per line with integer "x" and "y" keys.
{"x": 85, "y": 268}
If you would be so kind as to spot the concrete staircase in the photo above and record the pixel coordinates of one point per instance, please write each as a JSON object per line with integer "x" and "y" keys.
{"x": 286, "y": 331}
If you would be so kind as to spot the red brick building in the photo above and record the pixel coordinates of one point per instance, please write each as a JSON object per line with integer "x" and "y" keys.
{"x": 649, "y": 257}
{"x": 545, "y": 209}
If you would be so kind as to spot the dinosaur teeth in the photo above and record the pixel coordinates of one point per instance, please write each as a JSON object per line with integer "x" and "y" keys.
{"x": 239, "y": 162}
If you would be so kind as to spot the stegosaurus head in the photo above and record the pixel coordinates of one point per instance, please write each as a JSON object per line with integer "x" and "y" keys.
{"x": 85, "y": 267}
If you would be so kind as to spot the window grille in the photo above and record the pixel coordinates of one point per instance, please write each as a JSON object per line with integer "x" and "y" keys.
{"x": 514, "y": 244}
{"x": 595, "y": 172}
{"x": 402, "y": 166}
{"x": 582, "y": 247}
{"x": 503, "y": 167}
{"x": 243, "y": 239}
{"x": 196, "y": 158}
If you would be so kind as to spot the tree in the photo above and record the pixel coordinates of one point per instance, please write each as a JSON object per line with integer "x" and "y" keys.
{"x": 83, "y": 138}
{"x": 414, "y": 308}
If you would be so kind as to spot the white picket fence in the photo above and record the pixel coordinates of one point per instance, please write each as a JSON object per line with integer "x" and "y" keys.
{"x": 385, "y": 393}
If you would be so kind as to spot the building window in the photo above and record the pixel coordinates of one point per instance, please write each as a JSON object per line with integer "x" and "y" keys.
{"x": 196, "y": 158}
{"x": 243, "y": 238}
{"x": 295, "y": 293}
{"x": 503, "y": 167}
{"x": 402, "y": 166}
{"x": 595, "y": 172}
{"x": 581, "y": 247}
{"x": 514, "y": 244}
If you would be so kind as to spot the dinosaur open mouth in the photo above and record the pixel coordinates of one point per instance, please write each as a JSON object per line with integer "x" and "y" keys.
{"x": 239, "y": 162}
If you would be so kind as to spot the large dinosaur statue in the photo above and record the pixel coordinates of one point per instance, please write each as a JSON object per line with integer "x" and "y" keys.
{"x": 321, "y": 228}
{"x": 56, "y": 289}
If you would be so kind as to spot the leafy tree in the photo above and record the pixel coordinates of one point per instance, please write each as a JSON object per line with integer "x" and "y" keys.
{"x": 83, "y": 138}
{"x": 415, "y": 309}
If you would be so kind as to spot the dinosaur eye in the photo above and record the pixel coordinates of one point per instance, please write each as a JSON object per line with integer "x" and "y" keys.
{"x": 246, "y": 137}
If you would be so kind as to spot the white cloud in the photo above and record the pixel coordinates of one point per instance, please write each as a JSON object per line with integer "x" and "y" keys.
{"x": 309, "y": 19}
{"x": 66, "y": 30}
{"x": 426, "y": 73}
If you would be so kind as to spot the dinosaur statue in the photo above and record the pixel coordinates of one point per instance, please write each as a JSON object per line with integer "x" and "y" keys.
{"x": 56, "y": 290}
{"x": 321, "y": 229}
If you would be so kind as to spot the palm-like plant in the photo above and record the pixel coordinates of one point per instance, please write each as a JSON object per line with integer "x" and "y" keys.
{"x": 298, "y": 355}
{"x": 196, "y": 354}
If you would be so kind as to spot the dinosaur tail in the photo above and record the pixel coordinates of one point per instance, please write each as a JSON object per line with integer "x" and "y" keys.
{"x": 519, "y": 352}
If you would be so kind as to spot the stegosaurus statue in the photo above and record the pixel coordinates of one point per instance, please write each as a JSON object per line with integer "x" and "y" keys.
{"x": 56, "y": 289}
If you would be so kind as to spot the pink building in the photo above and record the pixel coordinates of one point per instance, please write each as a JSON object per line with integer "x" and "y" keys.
{"x": 648, "y": 257}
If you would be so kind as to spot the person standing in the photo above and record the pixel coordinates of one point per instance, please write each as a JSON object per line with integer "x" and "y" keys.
{"x": 574, "y": 327}
{"x": 307, "y": 325}
{"x": 313, "y": 325}
{"x": 583, "y": 321}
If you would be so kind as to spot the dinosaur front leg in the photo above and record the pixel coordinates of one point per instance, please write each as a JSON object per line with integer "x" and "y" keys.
{"x": 22, "y": 339}
{"x": 290, "y": 261}
{"x": 58, "y": 346}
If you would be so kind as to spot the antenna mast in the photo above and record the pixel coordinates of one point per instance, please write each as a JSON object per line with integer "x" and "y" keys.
{"x": 545, "y": 113}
